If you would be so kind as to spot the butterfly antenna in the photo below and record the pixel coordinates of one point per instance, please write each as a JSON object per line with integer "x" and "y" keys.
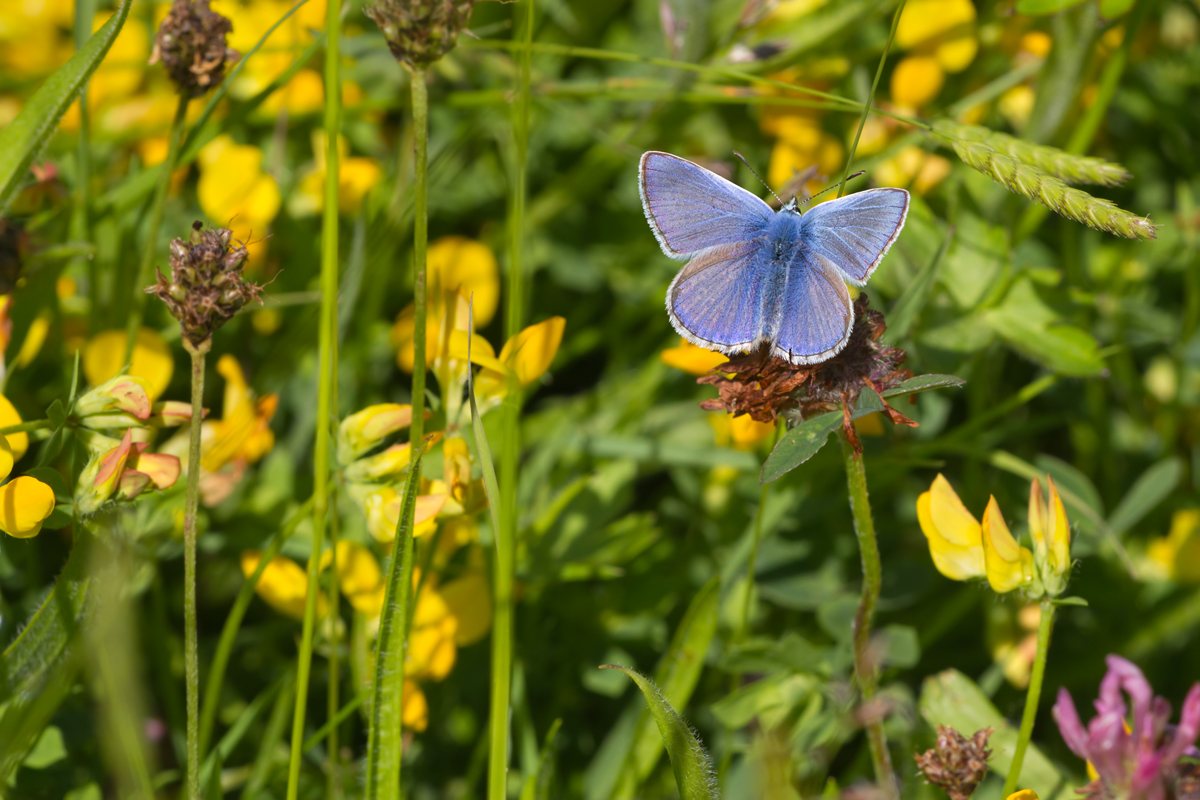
{"x": 755, "y": 174}
{"x": 831, "y": 188}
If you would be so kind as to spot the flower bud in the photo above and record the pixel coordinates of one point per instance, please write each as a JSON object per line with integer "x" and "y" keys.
{"x": 124, "y": 394}
{"x": 365, "y": 429}
{"x": 101, "y": 476}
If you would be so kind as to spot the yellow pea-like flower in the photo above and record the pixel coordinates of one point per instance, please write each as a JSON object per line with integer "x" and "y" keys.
{"x": 691, "y": 358}
{"x": 916, "y": 81}
{"x": 469, "y": 599}
{"x": 283, "y": 584}
{"x": 955, "y": 538}
{"x": 1009, "y": 565}
{"x": 525, "y": 358}
{"x": 104, "y": 356}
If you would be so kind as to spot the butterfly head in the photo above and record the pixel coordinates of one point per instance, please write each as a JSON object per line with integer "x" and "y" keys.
{"x": 792, "y": 206}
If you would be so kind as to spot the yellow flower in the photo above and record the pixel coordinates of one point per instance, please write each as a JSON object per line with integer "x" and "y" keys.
{"x": 118, "y": 402}
{"x": 100, "y": 478}
{"x": 283, "y": 584}
{"x": 1023, "y": 794}
{"x": 1009, "y": 565}
{"x": 304, "y": 93}
{"x": 251, "y": 20}
{"x": 912, "y": 168}
{"x": 916, "y": 81}
{"x": 234, "y": 189}
{"x": 18, "y": 442}
{"x": 691, "y": 358}
{"x": 356, "y": 177}
{"x": 470, "y": 601}
{"x": 955, "y": 538}
{"x": 364, "y": 430}
{"x": 416, "y": 707}
{"x": 461, "y": 268}
{"x": 1051, "y": 533}
{"x": 1036, "y": 43}
{"x": 1017, "y": 104}
{"x": 802, "y": 143}
{"x": 358, "y": 576}
{"x": 524, "y": 358}
{"x": 244, "y": 430}
{"x": 944, "y": 29}
{"x": 104, "y": 356}
{"x": 25, "y": 502}
{"x": 382, "y": 505}
{"x": 741, "y": 432}
{"x": 431, "y": 648}
{"x": 1013, "y": 642}
{"x": 1176, "y": 556}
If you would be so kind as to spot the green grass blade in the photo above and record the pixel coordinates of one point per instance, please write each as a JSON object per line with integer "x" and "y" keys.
{"x": 537, "y": 784}
{"x": 384, "y": 744}
{"x": 692, "y": 766}
{"x": 23, "y": 139}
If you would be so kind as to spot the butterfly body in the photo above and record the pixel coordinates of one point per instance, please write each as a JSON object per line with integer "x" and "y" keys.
{"x": 755, "y": 275}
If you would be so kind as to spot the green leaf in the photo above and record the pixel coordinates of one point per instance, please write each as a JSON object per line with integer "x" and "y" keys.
{"x": 693, "y": 768}
{"x": 906, "y": 310}
{"x": 49, "y": 749}
{"x": 803, "y": 441}
{"x": 974, "y": 261}
{"x": 677, "y": 674}
{"x": 537, "y": 784}
{"x": 26, "y": 663}
{"x": 1154, "y": 486}
{"x": 951, "y": 698}
{"x": 1110, "y": 9}
{"x": 23, "y": 139}
{"x": 1034, "y": 329}
{"x": 923, "y": 383}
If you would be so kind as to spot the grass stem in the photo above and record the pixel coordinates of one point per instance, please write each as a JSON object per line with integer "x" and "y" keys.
{"x": 864, "y": 667}
{"x": 326, "y": 378}
{"x": 190, "y": 514}
{"x": 420, "y": 111}
{"x": 887, "y": 46}
{"x": 1045, "y": 625}
{"x": 145, "y": 275}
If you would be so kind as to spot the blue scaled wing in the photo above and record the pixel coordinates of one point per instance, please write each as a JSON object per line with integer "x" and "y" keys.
{"x": 854, "y": 232}
{"x": 815, "y": 313}
{"x": 691, "y": 209}
{"x": 716, "y": 300}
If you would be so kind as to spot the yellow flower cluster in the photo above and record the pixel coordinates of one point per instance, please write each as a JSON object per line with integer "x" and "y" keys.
{"x": 25, "y": 502}
{"x": 940, "y": 37}
{"x": 963, "y": 549}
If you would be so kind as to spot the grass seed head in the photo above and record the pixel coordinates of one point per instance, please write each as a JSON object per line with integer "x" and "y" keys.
{"x": 419, "y": 32}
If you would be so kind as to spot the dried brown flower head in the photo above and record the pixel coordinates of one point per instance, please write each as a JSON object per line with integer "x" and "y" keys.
{"x": 206, "y": 287}
{"x": 765, "y": 386}
{"x": 191, "y": 46}
{"x": 957, "y": 764}
{"x": 419, "y": 32}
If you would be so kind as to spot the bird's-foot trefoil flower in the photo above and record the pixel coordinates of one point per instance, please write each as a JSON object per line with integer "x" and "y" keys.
{"x": 25, "y": 502}
{"x": 1141, "y": 760}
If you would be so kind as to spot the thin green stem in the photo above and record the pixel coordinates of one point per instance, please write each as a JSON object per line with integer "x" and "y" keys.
{"x": 233, "y": 623}
{"x": 1032, "y": 697}
{"x": 191, "y": 510}
{"x": 864, "y": 667}
{"x": 145, "y": 273}
{"x": 326, "y": 377}
{"x": 887, "y": 46}
{"x": 334, "y": 790}
{"x": 26, "y": 427}
{"x": 420, "y": 110}
{"x": 506, "y": 533}
{"x": 84, "y": 14}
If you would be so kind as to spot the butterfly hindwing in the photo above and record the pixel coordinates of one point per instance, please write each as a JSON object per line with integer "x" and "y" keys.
{"x": 815, "y": 313}
{"x": 854, "y": 232}
{"x": 691, "y": 209}
{"x": 716, "y": 300}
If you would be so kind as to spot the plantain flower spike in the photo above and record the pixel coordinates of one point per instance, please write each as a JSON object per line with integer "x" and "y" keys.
{"x": 419, "y": 32}
{"x": 191, "y": 46}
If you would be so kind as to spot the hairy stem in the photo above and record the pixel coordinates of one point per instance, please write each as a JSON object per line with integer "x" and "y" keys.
{"x": 1033, "y": 697}
{"x": 420, "y": 109}
{"x": 191, "y": 509}
{"x": 864, "y": 667}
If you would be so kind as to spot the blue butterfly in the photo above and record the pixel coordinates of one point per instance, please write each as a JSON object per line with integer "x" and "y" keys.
{"x": 756, "y": 275}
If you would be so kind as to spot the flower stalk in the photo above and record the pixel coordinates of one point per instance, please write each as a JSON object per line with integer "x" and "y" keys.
{"x": 326, "y": 377}
{"x": 420, "y": 104}
{"x": 1033, "y": 696}
{"x": 198, "y": 352}
{"x": 864, "y": 668}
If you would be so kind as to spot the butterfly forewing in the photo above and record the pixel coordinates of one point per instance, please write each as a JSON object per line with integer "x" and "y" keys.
{"x": 854, "y": 232}
{"x": 692, "y": 209}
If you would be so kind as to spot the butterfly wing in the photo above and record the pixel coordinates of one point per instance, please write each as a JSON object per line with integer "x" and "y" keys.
{"x": 854, "y": 232}
{"x": 815, "y": 313}
{"x": 691, "y": 209}
{"x": 716, "y": 300}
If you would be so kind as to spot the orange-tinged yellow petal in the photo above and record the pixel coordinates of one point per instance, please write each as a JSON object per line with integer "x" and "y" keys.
{"x": 364, "y": 429}
{"x": 382, "y": 507}
{"x": 530, "y": 353}
{"x": 1058, "y": 530}
{"x": 1037, "y": 513}
{"x": 162, "y": 469}
{"x": 469, "y": 599}
{"x": 691, "y": 358}
{"x": 25, "y": 503}
{"x": 459, "y": 264}
{"x": 283, "y": 584}
{"x": 956, "y": 562}
{"x": 950, "y": 517}
{"x": 19, "y": 442}
{"x": 1009, "y": 565}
